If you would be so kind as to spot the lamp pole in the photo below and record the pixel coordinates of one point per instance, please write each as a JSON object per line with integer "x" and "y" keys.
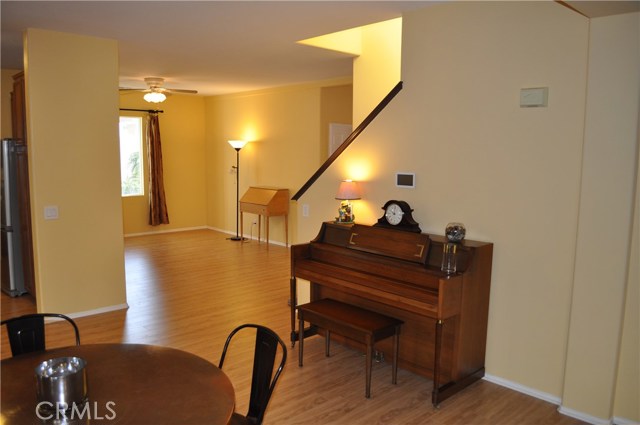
{"x": 237, "y": 145}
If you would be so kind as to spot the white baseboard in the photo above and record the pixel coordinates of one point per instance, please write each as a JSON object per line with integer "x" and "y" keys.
{"x": 554, "y": 400}
{"x": 182, "y": 229}
{"x": 524, "y": 390}
{"x": 584, "y": 417}
{"x": 253, "y": 238}
{"x": 622, "y": 421}
{"x": 186, "y": 229}
{"x": 99, "y": 310}
{"x": 226, "y": 232}
{"x": 89, "y": 312}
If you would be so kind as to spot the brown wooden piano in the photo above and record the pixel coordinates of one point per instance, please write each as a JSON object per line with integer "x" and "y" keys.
{"x": 398, "y": 273}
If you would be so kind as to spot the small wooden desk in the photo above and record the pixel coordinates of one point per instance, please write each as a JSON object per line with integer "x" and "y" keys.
{"x": 266, "y": 201}
{"x": 143, "y": 384}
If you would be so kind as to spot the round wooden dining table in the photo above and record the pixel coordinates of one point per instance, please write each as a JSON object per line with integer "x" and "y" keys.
{"x": 127, "y": 384}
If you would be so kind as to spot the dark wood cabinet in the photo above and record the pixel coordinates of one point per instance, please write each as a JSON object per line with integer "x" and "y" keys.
{"x": 19, "y": 132}
{"x": 18, "y": 108}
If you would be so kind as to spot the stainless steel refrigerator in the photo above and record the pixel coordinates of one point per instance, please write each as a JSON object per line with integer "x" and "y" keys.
{"x": 13, "y": 276}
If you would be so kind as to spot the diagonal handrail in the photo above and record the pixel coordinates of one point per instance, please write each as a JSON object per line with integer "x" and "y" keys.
{"x": 383, "y": 103}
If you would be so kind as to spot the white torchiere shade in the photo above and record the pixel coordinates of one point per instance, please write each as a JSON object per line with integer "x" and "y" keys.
{"x": 154, "y": 97}
{"x": 237, "y": 144}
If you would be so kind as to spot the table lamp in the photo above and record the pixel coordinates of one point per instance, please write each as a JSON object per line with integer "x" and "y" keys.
{"x": 347, "y": 191}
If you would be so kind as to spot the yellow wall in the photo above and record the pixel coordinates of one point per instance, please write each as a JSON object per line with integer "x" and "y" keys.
{"x": 182, "y": 131}
{"x": 609, "y": 171}
{"x": 336, "y": 106}
{"x": 520, "y": 178}
{"x": 514, "y": 176}
{"x": 377, "y": 70}
{"x": 72, "y": 109}
{"x": 627, "y": 390}
{"x": 483, "y": 160}
{"x": 284, "y": 127}
{"x": 375, "y": 73}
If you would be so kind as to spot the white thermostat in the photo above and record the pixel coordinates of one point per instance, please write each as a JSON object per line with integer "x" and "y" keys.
{"x": 534, "y": 97}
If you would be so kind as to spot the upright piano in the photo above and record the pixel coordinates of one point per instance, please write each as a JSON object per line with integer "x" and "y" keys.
{"x": 399, "y": 274}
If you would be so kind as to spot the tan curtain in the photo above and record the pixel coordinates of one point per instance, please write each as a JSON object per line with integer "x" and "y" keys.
{"x": 157, "y": 203}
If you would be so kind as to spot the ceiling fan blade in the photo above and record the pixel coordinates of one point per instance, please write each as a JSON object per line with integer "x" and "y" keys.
{"x": 181, "y": 91}
{"x": 156, "y": 84}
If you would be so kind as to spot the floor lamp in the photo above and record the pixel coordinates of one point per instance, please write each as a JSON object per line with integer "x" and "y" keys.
{"x": 237, "y": 145}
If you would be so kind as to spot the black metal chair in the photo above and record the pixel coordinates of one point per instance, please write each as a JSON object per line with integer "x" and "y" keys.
{"x": 263, "y": 380}
{"x": 26, "y": 333}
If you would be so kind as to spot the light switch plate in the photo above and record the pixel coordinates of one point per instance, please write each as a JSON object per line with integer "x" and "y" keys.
{"x": 534, "y": 97}
{"x": 51, "y": 212}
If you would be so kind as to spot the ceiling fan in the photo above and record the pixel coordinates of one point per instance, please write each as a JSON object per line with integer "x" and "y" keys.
{"x": 156, "y": 92}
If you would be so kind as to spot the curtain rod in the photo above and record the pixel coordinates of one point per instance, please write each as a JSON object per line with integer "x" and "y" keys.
{"x": 142, "y": 110}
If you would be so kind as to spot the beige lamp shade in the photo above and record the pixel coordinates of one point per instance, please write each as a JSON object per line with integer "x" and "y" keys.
{"x": 348, "y": 190}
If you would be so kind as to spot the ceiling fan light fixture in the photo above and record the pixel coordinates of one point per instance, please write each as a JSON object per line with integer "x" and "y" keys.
{"x": 154, "y": 97}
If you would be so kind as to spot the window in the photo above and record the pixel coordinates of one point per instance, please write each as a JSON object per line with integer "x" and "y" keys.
{"x": 131, "y": 169}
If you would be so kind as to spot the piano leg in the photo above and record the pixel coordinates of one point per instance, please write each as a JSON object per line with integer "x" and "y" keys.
{"x": 369, "y": 365}
{"x": 396, "y": 349}
{"x": 301, "y": 343}
{"x": 436, "y": 366}
{"x": 293, "y": 300}
{"x": 327, "y": 343}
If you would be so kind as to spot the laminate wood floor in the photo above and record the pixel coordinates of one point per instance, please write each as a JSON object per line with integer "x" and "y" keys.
{"x": 188, "y": 290}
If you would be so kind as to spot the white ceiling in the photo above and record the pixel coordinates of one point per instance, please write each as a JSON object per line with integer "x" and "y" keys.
{"x": 214, "y": 47}
{"x": 597, "y": 9}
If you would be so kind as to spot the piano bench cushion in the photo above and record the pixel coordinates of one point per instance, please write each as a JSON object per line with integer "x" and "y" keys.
{"x": 352, "y": 322}
{"x": 349, "y": 320}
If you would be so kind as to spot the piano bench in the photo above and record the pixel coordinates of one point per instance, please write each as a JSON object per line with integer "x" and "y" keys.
{"x": 351, "y": 322}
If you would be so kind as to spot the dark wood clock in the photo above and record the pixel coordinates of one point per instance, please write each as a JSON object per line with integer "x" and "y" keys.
{"x": 397, "y": 215}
